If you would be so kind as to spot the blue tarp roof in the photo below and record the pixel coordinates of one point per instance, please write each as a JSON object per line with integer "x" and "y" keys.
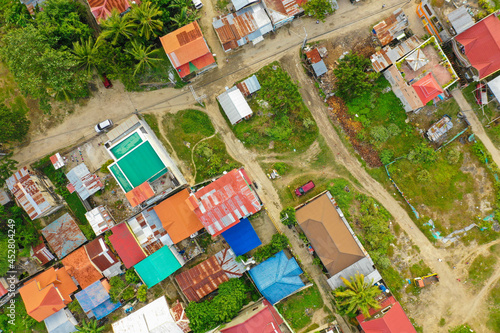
{"x": 277, "y": 277}
{"x": 95, "y": 300}
{"x": 242, "y": 237}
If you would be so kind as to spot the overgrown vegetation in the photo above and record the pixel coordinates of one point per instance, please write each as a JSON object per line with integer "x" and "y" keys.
{"x": 206, "y": 315}
{"x": 212, "y": 159}
{"x": 279, "y": 115}
{"x": 287, "y": 216}
{"x": 319, "y": 9}
{"x": 14, "y": 124}
{"x": 353, "y": 77}
{"x": 298, "y": 308}
{"x": 278, "y": 242}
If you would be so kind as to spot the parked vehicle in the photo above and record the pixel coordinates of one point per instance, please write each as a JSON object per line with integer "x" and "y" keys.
{"x": 426, "y": 280}
{"x": 481, "y": 94}
{"x": 106, "y": 82}
{"x": 304, "y": 188}
{"x": 104, "y": 125}
{"x": 197, "y": 4}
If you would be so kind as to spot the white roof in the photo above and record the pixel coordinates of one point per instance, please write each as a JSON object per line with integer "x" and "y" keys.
{"x": 494, "y": 86}
{"x": 152, "y": 318}
{"x": 99, "y": 219}
{"x": 234, "y": 105}
{"x": 417, "y": 59}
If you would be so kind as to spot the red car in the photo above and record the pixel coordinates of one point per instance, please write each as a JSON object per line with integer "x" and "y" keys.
{"x": 106, "y": 82}
{"x": 304, "y": 188}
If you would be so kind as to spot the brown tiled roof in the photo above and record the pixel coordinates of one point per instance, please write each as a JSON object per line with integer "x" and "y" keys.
{"x": 100, "y": 254}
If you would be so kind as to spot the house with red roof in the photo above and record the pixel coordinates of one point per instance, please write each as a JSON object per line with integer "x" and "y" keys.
{"x": 390, "y": 318}
{"x": 188, "y": 51}
{"x": 126, "y": 245}
{"x": 479, "y": 47}
{"x": 101, "y": 9}
{"x": 427, "y": 88}
{"x": 222, "y": 203}
{"x": 47, "y": 293}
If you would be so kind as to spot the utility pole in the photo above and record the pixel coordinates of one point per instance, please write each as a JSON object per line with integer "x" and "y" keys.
{"x": 198, "y": 99}
{"x": 305, "y": 38}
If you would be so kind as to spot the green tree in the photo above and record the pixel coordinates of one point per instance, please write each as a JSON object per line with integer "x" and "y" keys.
{"x": 14, "y": 14}
{"x": 62, "y": 22}
{"x": 40, "y": 70}
{"x": 89, "y": 327}
{"x": 117, "y": 28}
{"x": 13, "y": 123}
{"x": 86, "y": 54}
{"x": 386, "y": 156}
{"x": 142, "y": 293}
{"x": 145, "y": 56}
{"x": 319, "y": 9}
{"x": 7, "y": 167}
{"x": 117, "y": 287}
{"x": 145, "y": 19}
{"x": 422, "y": 153}
{"x": 4, "y": 247}
{"x": 359, "y": 295}
{"x": 453, "y": 156}
{"x": 353, "y": 78}
{"x": 183, "y": 17}
{"x": 380, "y": 133}
{"x": 131, "y": 276}
{"x": 287, "y": 216}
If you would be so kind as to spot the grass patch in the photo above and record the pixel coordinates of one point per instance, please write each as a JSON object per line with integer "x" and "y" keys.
{"x": 295, "y": 308}
{"x": 212, "y": 159}
{"x": 394, "y": 280}
{"x": 222, "y": 5}
{"x": 312, "y": 327}
{"x": 420, "y": 269}
{"x": 481, "y": 269}
{"x": 289, "y": 198}
{"x": 22, "y": 322}
{"x": 280, "y": 115}
{"x": 186, "y": 127}
{"x": 152, "y": 121}
{"x": 494, "y": 310}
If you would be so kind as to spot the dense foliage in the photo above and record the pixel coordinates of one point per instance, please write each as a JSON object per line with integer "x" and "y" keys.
{"x": 207, "y": 315}
{"x": 353, "y": 76}
{"x": 357, "y": 296}
{"x": 22, "y": 321}
{"x": 7, "y": 167}
{"x": 278, "y": 242}
{"x": 319, "y": 9}
{"x": 14, "y": 124}
{"x": 289, "y": 214}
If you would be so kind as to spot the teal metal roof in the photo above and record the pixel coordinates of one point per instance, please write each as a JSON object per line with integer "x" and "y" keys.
{"x": 157, "y": 267}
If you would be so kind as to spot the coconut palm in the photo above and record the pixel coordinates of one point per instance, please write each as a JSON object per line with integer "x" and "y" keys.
{"x": 144, "y": 55}
{"x": 184, "y": 17}
{"x": 85, "y": 54}
{"x": 359, "y": 295}
{"x": 89, "y": 327}
{"x": 145, "y": 19}
{"x": 116, "y": 26}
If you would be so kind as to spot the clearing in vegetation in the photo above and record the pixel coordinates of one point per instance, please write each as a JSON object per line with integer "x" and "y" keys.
{"x": 280, "y": 117}
{"x": 299, "y": 308}
{"x": 192, "y": 136}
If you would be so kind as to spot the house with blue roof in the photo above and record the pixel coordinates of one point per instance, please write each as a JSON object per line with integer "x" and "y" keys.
{"x": 277, "y": 277}
{"x": 95, "y": 300}
{"x": 242, "y": 237}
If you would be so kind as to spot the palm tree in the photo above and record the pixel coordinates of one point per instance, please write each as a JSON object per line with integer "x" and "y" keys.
{"x": 116, "y": 26}
{"x": 179, "y": 4}
{"x": 359, "y": 295}
{"x": 85, "y": 53}
{"x": 89, "y": 327}
{"x": 145, "y": 19}
{"x": 184, "y": 17}
{"x": 144, "y": 55}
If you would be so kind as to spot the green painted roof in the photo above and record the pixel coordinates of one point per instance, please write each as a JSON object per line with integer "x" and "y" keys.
{"x": 157, "y": 267}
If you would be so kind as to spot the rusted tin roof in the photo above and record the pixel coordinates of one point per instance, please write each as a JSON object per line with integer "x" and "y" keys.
{"x": 27, "y": 193}
{"x": 63, "y": 235}
{"x": 206, "y": 277}
{"x": 101, "y": 9}
{"x": 100, "y": 219}
{"x": 84, "y": 182}
{"x": 180, "y": 317}
{"x": 42, "y": 253}
{"x": 388, "y": 56}
{"x": 391, "y": 27}
{"x": 249, "y": 86}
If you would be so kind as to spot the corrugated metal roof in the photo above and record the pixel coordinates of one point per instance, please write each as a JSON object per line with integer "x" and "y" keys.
{"x": 101, "y": 9}
{"x": 42, "y": 253}
{"x": 222, "y": 203}
{"x": 149, "y": 230}
{"x": 238, "y": 4}
{"x": 319, "y": 68}
{"x": 282, "y": 9}
{"x": 27, "y": 194}
{"x": 440, "y": 128}
{"x": 83, "y": 181}
{"x": 100, "y": 254}
{"x": 126, "y": 245}
{"x": 63, "y": 235}
{"x": 363, "y": 266}
{"x": 100, "y": 219}
{"x": 4, "y": 197}
{"x": 234, "y": 105}
{"x": 460, "y": 19}
{"x": 249, "y": 86}
{"x": 61, "y": 322}
{"x": 93, "y": 297}
{"x": 206, "y": 277}
{"x": 242, "y": 237}
{"x": 57, "y": 161}
{"x": 242, "y": 27}
{"x": 139, "y": 194}
{"x": 391, "y": 27}
{"x": 180, "y": 317}
{"x": 388, "y": 56}
{"x": 79, "y": 266}
{"x": 157, "y": 267}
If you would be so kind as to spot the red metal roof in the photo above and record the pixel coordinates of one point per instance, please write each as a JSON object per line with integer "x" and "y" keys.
{"x": 125, "y": 244}
{"x": 266, "y": 320}
{"x": 100, "y": 254}
{"x": 427, "y": 88}
{"x": 101, "y": 9}
{"x": 392, "y": 320}
{"x": 285, "y": 7}
{"x": 222, "y": 203}
{"x": 140, "y": 194}
{"x": 42, "y": 253}
{"x": 482, "y": 45}
{"x": 313, "y": 56}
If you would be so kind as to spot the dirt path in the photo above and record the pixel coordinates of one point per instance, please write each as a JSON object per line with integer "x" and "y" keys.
{"x": 476, "y": 125}
{"x": 449, "y": 295}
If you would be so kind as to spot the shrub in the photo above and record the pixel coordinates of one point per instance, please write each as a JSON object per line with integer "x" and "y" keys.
{"x": 142, "y": 293}
{"x": 291, "y": 219}
{"x": 128, "y": 293}
{"x": 131, "y": 276}
{"x": 453, "y": 156}
{"x": 423, "y": 175}
{"x": 380, "y": 133}
{"x": 278, "y": 243}
{"x": 104, "y": 167}
{"x": 281, "y": 167}
{"x": 422, "y": 153}
{"x": 386, "y": 156}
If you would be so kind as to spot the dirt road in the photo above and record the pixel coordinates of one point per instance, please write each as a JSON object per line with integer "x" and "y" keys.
{"x": 476, "y": 125}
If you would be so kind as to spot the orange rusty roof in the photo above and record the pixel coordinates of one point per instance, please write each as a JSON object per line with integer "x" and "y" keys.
{"x": 78, "y": 265}
{"x": 313, "y": 56}
{"x": 177, "y": 218}
{"x": 388, "y": 29}
{"x": 47, "y": 293}
{"x": 140, "y": 194}
{"x": 185, "y": 45}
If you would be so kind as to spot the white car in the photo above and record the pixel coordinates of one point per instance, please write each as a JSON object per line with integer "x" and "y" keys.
{"x": 102, "y": 126}
{"x": 197, "y": 4}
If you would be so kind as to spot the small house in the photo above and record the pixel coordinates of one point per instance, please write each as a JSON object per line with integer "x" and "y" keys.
{"x": 242, "y": 237}
{"x": 41, "y": 253}
{"x": 83, "y": 182}
{"x": 57, "y": 161}
{"x": 317, "y": 64}
{"x": 100, "y": 219}
{"x": 63, "y": 236}
{"x": 101, "y": 9}
{"x": 126, "y": 245}
{"x": 158, "y": 266}
{"x": 461, "y": 19}
{"x": 390, "y": 318}
{"x": 282, "y": 12}
{"x": 392, "y": 27}
{"x": 249, "y": 86}
{"x": 103, "y": 259}
{"x": 61, "y": 322}
{"x": 79, "y": 266}
{"x": 95, "y": 300}
{"x": 234, "y": 105}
